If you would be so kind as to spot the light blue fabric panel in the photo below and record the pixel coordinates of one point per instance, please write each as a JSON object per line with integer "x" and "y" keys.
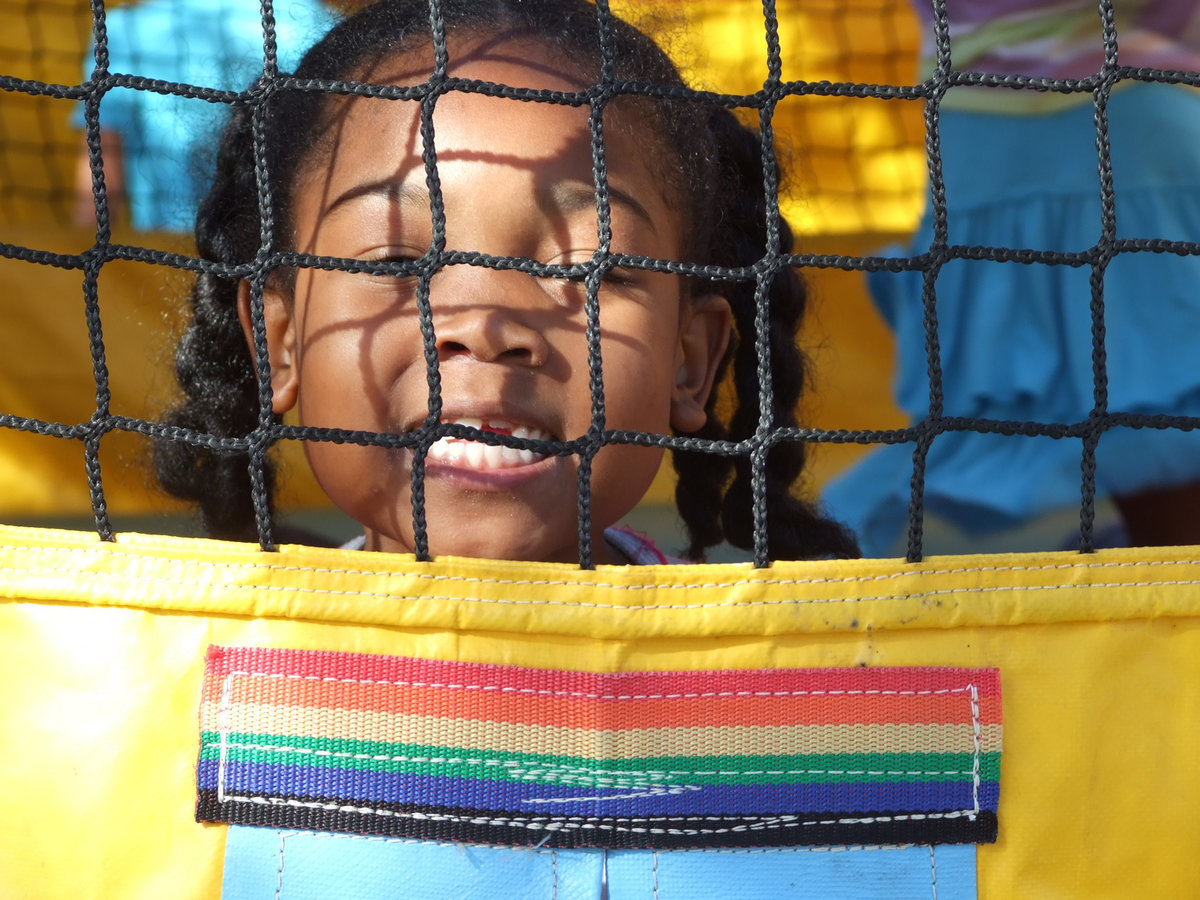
{"x": 830, "y": 873}
{"x": 269, "y": 864}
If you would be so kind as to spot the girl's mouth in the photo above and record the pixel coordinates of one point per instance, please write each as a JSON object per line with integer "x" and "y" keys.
{"x": 468, "y": 454}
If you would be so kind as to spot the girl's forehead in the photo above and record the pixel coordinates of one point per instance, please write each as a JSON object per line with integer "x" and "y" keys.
{"x": 517, "y": 61}
{"x": 480, "y": 128}
{"x": 524, "y": 150}
{"x": 466, "y": 123}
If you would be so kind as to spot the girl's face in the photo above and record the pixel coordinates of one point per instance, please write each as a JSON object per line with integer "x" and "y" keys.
{"x": 516, "y": 178}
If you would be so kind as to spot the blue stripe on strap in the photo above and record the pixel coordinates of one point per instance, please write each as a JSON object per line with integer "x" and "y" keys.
{"x": 652, "y": 799}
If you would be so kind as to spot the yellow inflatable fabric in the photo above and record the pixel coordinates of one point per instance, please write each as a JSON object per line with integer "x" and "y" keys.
{"x": 102, "y": 650}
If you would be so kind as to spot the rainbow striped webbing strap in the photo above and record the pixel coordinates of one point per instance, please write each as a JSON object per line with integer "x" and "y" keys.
{"x": 496, "y": 754}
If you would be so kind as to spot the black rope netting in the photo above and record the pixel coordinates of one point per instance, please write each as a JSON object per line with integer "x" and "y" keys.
{"x": 597, "y": 97}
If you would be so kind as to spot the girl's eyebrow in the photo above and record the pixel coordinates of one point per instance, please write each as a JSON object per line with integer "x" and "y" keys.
{"x": 389, "y": 188}
{"x": 565, "y": 196}
{"x": 573, "y": 196}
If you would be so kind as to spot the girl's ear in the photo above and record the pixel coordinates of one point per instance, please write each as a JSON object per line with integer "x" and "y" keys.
{"x": 703, "y": 338}
{"x": 281, "y": 343}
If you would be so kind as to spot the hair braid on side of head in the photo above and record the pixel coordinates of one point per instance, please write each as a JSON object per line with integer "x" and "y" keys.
{"x": 213, "y": 364}
{"x": 714, "y": 493}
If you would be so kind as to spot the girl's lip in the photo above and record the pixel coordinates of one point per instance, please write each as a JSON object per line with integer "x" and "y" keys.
{"x": 497, "y": 423}
{"x": 474, "y": 454}
{"x": 473, "y": 464}
{"x": 508, "y": 478}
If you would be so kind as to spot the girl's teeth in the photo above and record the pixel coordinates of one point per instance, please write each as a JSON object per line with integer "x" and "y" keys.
{"x": 476, "y": 455}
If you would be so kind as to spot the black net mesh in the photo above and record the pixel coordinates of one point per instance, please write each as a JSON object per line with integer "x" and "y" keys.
{"x": 37, "y": 89}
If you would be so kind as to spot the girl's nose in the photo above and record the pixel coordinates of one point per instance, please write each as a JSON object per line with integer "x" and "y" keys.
{"x": 488, "y": 316}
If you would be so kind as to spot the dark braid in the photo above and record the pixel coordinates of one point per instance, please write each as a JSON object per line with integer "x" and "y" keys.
{"x": 696, "y": 152}
{"x": 713, "y": 493}
{"x": 213, "y": 363}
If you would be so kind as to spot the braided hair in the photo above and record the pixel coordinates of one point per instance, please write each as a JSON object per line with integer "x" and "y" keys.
{"x": 714, "y": 493}
{"x": 705, "y": 157}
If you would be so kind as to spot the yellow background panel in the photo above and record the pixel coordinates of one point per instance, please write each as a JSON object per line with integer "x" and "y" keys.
{"x": 857, "y": 164}
{"x": 46, "y": 373}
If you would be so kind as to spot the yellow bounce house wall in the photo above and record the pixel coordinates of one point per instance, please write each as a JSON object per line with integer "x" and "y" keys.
{"x": 102, "y": 649}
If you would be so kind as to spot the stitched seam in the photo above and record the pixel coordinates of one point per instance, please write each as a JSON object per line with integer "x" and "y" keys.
{"x": 563, "y": 823}
{"x": 932, "y": 872}
{"x": 497, "y": 848}
{"x": 279, "y": 870}
{"x": 586, "y": 695}
{"x": 424, "y": 842}
{"x": 117, "y": 549}
{"x": 213, "y": 589}
{"x": 833, "y": 848}
{"x": 559, "y": 822}
{"x": 570, "y": 774}
{"x": 649, "y": 791}
{"x": 224, "y": 714}
{"x": 977, "y": 737}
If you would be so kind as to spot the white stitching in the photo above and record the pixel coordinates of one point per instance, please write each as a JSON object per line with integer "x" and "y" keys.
{"x": 970, "y": 689}
{"x": 814, "y": 848}
{"x": 224, "y": 714}
{"x": 554, "y": 823}
{"x": 586, "y": 695}
{"x": 575, "y": 774}
{"x": 424, "y": 842}
{"x": 748, "y": 580}
{"x": 283, "y": 836}
{"x": 584, "y": 823}
{"x": 118, "y": 549}
{"x": 977, "y": 737}
{"x": 213, "y": 589}
{"x": 649, "y": 791}
{"x": 537, "y": 848}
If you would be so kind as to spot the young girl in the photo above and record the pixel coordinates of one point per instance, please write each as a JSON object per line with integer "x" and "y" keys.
{"x": 469, "y": 423}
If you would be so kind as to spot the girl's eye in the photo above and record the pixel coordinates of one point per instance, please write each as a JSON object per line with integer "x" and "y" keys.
{"x": 621, "y": 276}
{"x": 401, "y": 263}
{"x": 399, "y": 256}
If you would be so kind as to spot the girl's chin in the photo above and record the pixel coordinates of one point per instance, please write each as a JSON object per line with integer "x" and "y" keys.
{"x": 469, "y": 546}
{"x": 524, "y": 513}
{"x": 490, "y": 534}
